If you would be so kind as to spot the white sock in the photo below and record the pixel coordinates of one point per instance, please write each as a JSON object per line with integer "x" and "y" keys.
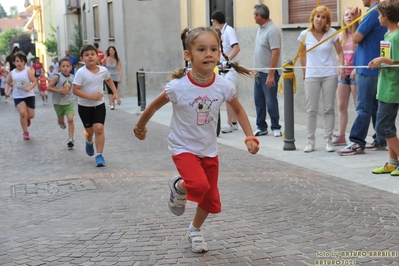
{"x": 192, "y": 228}
{"x": 98, "y": 154}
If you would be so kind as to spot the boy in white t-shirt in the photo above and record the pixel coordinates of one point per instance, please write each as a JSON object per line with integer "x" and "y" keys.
{"x": 88, "y": 87}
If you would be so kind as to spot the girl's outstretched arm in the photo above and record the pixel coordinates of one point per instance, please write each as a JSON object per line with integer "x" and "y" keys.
{"x": 242, "y": 118}
{"x": 140, "y": 129}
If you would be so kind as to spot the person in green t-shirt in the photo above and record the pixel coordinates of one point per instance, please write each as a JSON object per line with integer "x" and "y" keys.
{"x": 388, "y": 85}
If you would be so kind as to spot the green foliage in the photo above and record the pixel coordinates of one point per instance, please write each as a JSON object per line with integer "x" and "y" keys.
{"x": 13, "y": 11}
{"x": 51, "y": 42}
{"x": 77, "y": 42}
{"x": 5, "y": 39}
{"x": 3, "y": 13}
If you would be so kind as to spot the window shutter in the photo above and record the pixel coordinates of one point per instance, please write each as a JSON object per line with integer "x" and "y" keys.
{"x": 300, "y": 10}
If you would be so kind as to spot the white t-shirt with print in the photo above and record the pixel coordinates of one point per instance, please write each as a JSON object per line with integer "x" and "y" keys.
{"x": 323, "y": 55}
{"x": 195, "y": 114}
{"x": 91, "y": 83}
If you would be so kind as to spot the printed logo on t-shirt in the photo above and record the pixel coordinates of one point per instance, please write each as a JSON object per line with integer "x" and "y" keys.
{"x": 67, "y": 84}
{"x": 203, "y": 108}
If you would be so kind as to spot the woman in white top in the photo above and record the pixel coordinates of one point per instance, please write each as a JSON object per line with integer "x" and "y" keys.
{"x": 318, "y": 79}
{"x": 113, "y": 64}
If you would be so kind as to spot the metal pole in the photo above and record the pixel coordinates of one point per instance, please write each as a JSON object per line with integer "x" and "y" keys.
{"x": 141, "y": 94}
{"x": 289, "y": 137}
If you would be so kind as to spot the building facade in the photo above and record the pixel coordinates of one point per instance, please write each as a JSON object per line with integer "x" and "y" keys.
{"x": 42, "y": 19}
{"x": 146, "y": 33}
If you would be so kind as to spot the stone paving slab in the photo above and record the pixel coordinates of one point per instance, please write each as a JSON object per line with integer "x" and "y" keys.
{"x": 274, "y": 213}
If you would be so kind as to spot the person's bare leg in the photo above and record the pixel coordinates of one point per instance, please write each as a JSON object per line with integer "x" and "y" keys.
{"x": 71, "y": 126}
{"x": 100, "y": 137}
{"x": 23, "y": 116}
{"x": 199, "y": 217}
{"x": 343, "y": 93}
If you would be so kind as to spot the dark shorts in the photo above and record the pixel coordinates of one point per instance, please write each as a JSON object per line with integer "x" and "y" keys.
{"x": 347, "y": 80}
{"x": 109, "y": 89}
{"x": 2, "y": 93}
{"x": 386, "y": 117}
{"x": 29, "y": 101}
{"x": 92, "y": 115}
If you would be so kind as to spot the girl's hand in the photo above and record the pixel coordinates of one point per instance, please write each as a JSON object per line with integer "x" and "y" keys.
{"x": 26, "y": 89}
{"x": 341, "y": 73}
{"x": 139, "y": 132}
{"x": 353, "y": 74}
{"x": 252, "y": 144}
{"x": 252, "y": 147}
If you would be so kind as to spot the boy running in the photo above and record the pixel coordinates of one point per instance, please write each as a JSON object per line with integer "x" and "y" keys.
{"x": 63, "y": 99}
{"x": 88, "y": 86}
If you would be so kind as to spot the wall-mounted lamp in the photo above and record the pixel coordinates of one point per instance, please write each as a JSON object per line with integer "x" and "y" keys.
{"x": 33, "y": 36}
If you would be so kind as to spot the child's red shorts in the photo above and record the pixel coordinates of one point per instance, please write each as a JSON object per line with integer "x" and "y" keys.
{"x": 200, "y": 177}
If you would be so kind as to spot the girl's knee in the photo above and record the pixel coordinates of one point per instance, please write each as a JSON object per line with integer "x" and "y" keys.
{"x": 199, "y": 190}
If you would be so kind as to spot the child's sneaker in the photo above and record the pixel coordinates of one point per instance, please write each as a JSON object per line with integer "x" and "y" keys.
{"x": 26, "y": 135}
{"x": 385, "y": 169}
{"x": 198, "y": 244}
{"x": 100, "y": 162}
{"x": 70, "y": 144}
{"x": 89, "y": 149}
{"x": 176, "y": 202}
{"x": 395, "y": 172}
{"x": 339, "y": 140}
{"x": 62, "y": 125}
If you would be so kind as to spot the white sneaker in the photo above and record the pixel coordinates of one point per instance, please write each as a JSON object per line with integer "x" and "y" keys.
{"x": 259, "y": 132}
{"x": 198, "y": 244}
{"x": 277, "y": 133}
{"x": 309, "y": 147}
{"x": 235, "y": 126}
{"x": 176, "y": 201}
{"x": 329, "y": 146}
{"x": 227, "y": 128}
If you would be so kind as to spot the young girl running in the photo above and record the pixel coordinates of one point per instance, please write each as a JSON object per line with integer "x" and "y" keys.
{"x": 196, "y": 97}
{"x": 23, "y": 82}
{"x": 346, "y": 86}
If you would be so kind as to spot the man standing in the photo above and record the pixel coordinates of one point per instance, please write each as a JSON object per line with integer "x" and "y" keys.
{"x": 231, "y": 49}
{"x": 267, "y": 55}
{"x": 74, "y": 63}
{"x": 367, "y": 37}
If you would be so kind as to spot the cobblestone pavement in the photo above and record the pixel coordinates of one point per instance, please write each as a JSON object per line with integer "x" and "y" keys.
{"x": 57, "y": 208}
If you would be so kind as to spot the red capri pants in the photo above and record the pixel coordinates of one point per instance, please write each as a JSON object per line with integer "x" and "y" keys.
{"x": 200, "y": 177}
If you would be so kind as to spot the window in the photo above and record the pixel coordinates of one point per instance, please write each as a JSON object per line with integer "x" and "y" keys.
{"x": 96, "y": 23}
{"x": 111, "y": 20}
{"x": 299, "y": 10}
{"x": 226, "y": 6}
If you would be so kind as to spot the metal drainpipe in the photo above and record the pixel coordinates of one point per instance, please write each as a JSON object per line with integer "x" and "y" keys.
{"x": 259, "y": 2}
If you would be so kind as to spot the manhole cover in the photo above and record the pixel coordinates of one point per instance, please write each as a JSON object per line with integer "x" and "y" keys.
{"x": 55, "y": 187}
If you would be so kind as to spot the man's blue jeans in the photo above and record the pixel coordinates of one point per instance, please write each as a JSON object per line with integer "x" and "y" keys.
{"x": 366, "y": 108}
{"x": 266, "y": 98}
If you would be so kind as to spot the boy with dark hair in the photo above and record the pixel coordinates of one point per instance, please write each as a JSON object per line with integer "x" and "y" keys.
{"x": 388, "y": 84}
{"x": 63, "y": 99}
{"x": 88, "y": 86}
